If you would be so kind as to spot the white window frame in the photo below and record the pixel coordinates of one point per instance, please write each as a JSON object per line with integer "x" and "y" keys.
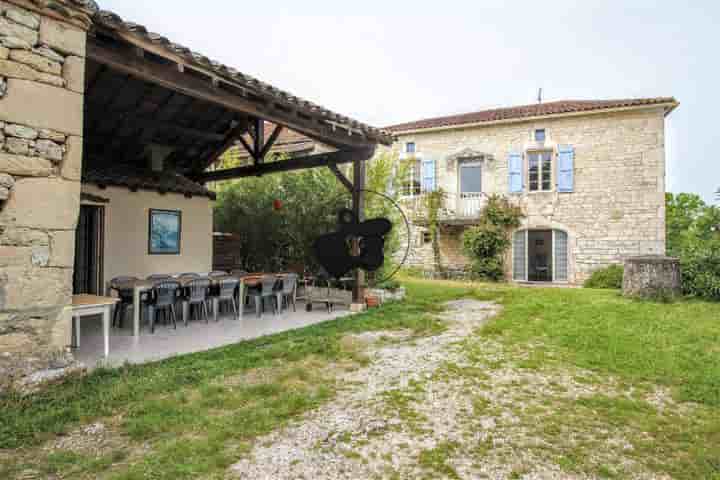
{"x": 553, "y": 161}
{"x": 471, "y": 164}
{"x": 418, "y": 158}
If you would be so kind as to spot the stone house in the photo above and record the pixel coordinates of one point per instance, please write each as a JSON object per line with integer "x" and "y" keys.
{"x": 103, "y": 126}
{"x": 589, "y": 176}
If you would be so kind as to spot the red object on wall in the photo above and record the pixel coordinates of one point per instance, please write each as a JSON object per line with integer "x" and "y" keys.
{"x": 277, "y": 205}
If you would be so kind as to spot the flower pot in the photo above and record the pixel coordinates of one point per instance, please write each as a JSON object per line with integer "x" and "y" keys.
{"x": 372, "y": 301}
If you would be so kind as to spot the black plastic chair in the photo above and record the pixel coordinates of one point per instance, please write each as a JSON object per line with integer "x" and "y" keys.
{"x": 164, "y": 297}
{"x": 196, "y": 294}
{"x": 126, "y": 299}
{"x": 266, "y": 290}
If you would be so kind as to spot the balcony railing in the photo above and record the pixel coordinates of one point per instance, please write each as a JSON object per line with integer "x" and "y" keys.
{"x": 464, "y": 206}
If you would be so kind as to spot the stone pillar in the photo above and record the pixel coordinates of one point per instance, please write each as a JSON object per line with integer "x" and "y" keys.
{"x": 652, "y": 277}
{"x": 42, "y": 65}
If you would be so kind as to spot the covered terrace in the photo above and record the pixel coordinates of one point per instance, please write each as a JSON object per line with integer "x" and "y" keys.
{"x": 157, "y": 117}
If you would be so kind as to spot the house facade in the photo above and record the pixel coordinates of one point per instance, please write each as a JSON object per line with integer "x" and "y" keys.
{"x": 589, "y": 176}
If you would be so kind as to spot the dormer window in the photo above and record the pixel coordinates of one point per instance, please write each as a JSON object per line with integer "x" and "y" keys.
{"x": 410, "y": 148}
{"x": 540, "y": 135}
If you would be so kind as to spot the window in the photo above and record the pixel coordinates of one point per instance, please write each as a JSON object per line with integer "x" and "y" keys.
{"x": 412, "y": 171}
{"x": 540, "y": 135}
{"x": 427, "y": 238}
{"x": 540, "y": 171}
{"x": 470, "y": 178}
{"x": 410, "y": 147}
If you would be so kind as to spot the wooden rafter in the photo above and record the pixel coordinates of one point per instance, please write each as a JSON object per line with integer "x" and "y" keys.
{"x": 309, "y": 161}
{"x": 230, "y": 97}
{"x": 270, "y": 142}
{"x": 341, "y": 177}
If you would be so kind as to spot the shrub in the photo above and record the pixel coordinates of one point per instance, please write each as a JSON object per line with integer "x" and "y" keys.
{"x": 608, "y": 277}
{"x": 490, "y": 268}
{"x": 701, "y": 273}
{"x": 487, "y": 242}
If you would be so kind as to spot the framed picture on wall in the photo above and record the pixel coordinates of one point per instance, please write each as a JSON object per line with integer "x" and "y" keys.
{"x": 165, "y": 232}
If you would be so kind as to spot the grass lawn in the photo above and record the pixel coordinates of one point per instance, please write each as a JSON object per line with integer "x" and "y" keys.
{"x": 193, "y": 416}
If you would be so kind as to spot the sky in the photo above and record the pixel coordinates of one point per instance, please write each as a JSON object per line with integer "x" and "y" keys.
{"x": 386, "y": 62}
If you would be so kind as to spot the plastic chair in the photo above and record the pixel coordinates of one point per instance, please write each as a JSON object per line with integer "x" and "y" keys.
{"x": 226, "y": 293}
{"x": 196, "y": 294}
{"x": 266, "y": 290}
{"x": 126, "y": 299}
{"x": 159, "y": 276}
{"x": 165, "y": 294}
{"x": 287, "y": 294}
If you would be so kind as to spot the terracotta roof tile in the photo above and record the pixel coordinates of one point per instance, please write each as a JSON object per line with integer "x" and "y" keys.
{"x": 143, "y": 179}
{"x": 528, "y": 111}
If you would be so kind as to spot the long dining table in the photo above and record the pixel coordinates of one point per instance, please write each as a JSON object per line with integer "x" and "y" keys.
{"x": 140, "y": 287}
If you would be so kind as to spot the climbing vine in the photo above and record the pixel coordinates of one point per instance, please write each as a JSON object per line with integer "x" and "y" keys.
{"x": 487, "y": 243}
{"x": 434, "y": 201}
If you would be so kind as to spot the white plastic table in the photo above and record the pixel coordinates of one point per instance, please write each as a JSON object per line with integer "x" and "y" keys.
{"x": 87, "y": 305}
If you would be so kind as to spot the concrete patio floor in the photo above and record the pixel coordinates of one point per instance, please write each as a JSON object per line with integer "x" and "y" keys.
{"x": 196, "y": 337}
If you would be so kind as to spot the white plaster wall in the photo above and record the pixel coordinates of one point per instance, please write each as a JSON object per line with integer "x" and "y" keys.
{"x": 126, "y": 233}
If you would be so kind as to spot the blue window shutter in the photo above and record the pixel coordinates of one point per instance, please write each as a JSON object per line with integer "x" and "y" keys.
{"x": 428, "y": 175}
{"x": 566, "y": 168}
{"x": 515, "y": 167}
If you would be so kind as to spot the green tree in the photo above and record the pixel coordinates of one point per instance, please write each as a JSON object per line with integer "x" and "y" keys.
{"x": 278, "y": 238}
{"x": 690, "y": 223}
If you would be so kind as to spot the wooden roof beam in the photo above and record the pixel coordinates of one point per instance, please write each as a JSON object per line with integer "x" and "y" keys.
{"x": 299, "y": 163}
{"x": 169, "y": 76}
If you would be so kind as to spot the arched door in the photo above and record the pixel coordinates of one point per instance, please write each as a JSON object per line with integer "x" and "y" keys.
{"x": 540, "y": 256}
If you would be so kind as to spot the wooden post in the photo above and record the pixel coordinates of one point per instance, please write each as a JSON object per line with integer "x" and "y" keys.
{"x": 358, "y": 209}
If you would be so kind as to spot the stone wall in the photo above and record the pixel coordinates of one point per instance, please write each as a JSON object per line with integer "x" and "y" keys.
{"x": 617, "y": 209}
{"x": 42, "y": 61}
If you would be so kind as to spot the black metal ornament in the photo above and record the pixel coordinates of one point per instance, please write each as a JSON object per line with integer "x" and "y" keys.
{"x": 334, "y": 251}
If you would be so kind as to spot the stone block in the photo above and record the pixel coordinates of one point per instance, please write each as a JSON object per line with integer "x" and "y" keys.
{"x": 20, "y": 131}
{"x": 61, "y": 332}
{"x": 9, "y": 28}
{"x": 62, "y": 249}
{"x": 4, "y": 53}
{"x": 15, "y": 42}
{"x": 24, "y": 237}
{"x": 38, "y": 62}
{"x": 40, "y": 256}
{"x": 62, "y": 37}
{"x": 74, "y": 73}
{"x": 48, "y": 52}
{"x": 15, "y": 256}
{"x": 17, "y": 146}
{"x": 24, "y": 166}
{"x": 42, "y": 106}
{"x": 47, "y": 134}
{"x": 51, "y": 79}
{"x": 36, "y": 287}
{"x": 50, "y": 150}
{"x": 23, "y": 17}
{"x": 6, "y": 180}
{"x": 72, "y": 165}
{"x": 47, "y": 203}
{"x": 12, "y": 69}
